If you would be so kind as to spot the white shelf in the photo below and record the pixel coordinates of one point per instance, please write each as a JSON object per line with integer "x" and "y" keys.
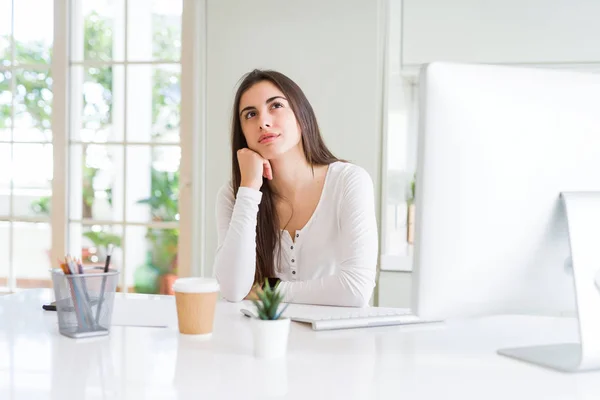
{"x": 402, "y": 262}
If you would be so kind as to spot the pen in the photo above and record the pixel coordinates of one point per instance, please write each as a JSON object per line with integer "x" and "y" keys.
{"x": 106, "y": 265}
{"x": 108, "y": 254}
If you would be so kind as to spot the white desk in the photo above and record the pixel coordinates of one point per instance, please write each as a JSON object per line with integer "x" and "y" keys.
{"x": 456, "y": 361}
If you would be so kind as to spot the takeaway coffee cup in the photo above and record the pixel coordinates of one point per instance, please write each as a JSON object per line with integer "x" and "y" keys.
{"x": 196, "y": 299}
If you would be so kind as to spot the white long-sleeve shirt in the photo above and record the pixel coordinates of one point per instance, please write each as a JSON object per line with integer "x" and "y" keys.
{"x": 333, "y": 258}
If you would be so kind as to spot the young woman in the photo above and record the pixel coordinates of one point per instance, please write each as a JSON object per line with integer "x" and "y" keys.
{"x": 293, "y": 212}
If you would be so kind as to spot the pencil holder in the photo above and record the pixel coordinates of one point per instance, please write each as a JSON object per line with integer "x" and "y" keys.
{"x": 84, "y": 302}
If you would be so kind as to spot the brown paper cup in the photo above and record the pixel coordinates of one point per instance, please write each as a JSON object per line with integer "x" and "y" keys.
{"x": 196, "y": 299}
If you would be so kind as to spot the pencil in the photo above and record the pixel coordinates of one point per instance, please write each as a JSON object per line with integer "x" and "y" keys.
{"x": 81, "y": 292}
{"x": 76, "y": 304}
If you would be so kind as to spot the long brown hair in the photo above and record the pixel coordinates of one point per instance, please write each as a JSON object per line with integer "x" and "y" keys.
{"x": 316, "y": 152}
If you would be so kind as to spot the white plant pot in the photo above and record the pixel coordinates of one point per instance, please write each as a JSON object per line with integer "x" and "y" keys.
{"x": 270, "y": 337}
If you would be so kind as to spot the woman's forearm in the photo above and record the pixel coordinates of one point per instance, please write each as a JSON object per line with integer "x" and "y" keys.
{"x": 235, "y": 260}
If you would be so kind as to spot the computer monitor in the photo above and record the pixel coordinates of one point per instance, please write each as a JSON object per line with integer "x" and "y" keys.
{"x": 501, "y": 151}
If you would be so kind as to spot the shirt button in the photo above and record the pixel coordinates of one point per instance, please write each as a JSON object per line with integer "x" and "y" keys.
{"x": 294, "y": 272}
{"x": 293, "y": 260}
{"x": 297, "y": 235}
{"x": 292, "y": 247}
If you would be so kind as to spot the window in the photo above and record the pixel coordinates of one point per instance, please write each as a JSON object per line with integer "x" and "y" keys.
{"x": 400, "y": 140}
{"x": 90, "y": 143}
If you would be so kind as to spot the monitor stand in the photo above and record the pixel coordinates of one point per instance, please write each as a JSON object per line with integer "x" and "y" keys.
{"x": 583, "y": 216}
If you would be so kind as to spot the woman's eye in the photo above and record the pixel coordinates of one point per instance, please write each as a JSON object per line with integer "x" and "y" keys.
{"x": 250, "y": 114}
{"x": 277, "y": 105}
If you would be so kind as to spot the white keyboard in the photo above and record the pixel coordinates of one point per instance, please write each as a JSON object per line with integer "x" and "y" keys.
{"x": 326, "y": 318}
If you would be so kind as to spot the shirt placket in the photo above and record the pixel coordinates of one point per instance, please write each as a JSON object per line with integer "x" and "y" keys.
{"x": 293, "y": 257}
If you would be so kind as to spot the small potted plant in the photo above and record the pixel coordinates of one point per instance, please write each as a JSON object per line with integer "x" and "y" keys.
{"x": 270, "y": 330}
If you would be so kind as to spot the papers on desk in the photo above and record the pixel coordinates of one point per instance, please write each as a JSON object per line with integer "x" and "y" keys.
{"x": 143, "y": 310}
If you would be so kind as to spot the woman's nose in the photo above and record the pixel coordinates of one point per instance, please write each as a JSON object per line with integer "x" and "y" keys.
{"x": 265, "y": 123}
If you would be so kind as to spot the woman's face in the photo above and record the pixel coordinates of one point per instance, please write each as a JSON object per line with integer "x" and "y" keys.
{"x": 267, "y": 120}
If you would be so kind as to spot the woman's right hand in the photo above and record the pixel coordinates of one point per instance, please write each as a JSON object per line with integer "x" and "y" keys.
{"x": 252, "y": 168}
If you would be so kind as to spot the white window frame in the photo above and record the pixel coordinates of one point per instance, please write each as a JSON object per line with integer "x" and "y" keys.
{"x": 11, "y": 218}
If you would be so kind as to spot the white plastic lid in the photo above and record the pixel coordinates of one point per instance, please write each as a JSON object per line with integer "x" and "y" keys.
{"x": 196, "y": 285}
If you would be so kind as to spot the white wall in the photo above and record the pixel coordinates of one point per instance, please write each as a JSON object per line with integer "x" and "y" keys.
{"x": 501, "y": 31}
{"x": 332, "y": 49}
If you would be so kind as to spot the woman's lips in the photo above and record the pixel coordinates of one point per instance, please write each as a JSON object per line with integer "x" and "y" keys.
{"x": 268, "y": 139}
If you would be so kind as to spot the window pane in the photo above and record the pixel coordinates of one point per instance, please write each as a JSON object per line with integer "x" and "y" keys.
{"x": 5, "y": 105}
{"x": 5, "y": 176}
{"x": 401, "y": 164}
{"x": 32, "y": 179}
{"x": 153, "y": 183}
{"x": 5, "y": 31}
{"x": 93, "y": 241}
{"x": 98, "y": 93}
{"x": 154, "y": 30}
{"x": 31, "y": 246}
{"x": 33, "y": 106}
{"x": 398, "y": 178}
{"x": 154, "y": 97}
{"x": 34, "y": 28}
{"x": 98, "y": 30}
{"x": 4, "y": 253}
{"x": 96, "y": 187}
{"x": 151, "y": 255}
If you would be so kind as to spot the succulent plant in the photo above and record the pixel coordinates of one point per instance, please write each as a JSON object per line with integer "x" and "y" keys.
{"x": 268, "y": 302}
